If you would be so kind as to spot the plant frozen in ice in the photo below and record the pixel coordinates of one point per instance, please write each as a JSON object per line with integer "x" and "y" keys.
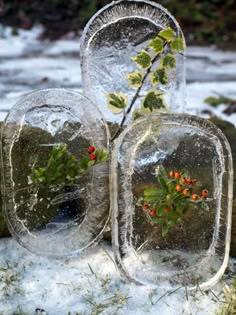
{"x": 171, "y": 199}
{"x": 63, "y": 169}
{"x": 161, "y": 48}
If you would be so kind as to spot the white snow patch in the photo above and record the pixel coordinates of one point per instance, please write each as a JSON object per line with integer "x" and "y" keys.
{"x": 81, "y": 284}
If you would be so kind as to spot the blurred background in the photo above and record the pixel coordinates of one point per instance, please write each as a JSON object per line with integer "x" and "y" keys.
{"x": 203, "y": 22}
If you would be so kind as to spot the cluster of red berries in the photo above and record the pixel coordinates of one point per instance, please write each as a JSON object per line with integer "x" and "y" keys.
{"x": 188, "y": 182}
{"x": 91, "y": 151}
{"x": 152, "y": 211}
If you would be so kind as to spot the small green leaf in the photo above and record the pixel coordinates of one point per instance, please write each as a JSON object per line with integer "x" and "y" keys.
{"x": 168, "y": 61}
{"x": 154, "y": 100}
{"x": 135, "y": 79}
{"x": 151, "y": 191}
{"x": 178, "y": 45}
{"x": 168, "y": 34}
{"x": 216, "y": 101}
{"x": 116, "y": 102}
{"x": 159, "y": 76}
{"x": 165, "y": 229}
{"x": 157, "y": 45}
{"x": 143, "y": 59}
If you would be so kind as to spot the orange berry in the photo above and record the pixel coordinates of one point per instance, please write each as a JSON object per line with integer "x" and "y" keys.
{"x": 145, "y": 206}
{"x": 183, "y": 180}
{"x": 194, "y": 196}
{"x": 178, "y": 188}
{"x": 204, "y": 193}
{"x": 188, "y": 181}
{"x": 172, "y": 174}
{"x": 185, "y": 192}
{"x": 177, "y": 175}
{"x": 167, "y": 209}
{"x": 152, "y": 212}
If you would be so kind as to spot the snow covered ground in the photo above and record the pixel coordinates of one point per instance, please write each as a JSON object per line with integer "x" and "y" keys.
{"x": 91, "y": 284}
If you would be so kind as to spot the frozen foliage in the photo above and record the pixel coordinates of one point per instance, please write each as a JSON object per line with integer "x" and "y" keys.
{"x": 111, "y": 39}
{"x": 46, "y": 135}
{"x": 201, "y": 238}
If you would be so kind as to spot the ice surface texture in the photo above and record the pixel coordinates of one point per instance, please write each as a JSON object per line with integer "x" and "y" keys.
{"x": 115, "y": 34}
{"x": 48, "y": 220}
{"x": 195, "y": 251}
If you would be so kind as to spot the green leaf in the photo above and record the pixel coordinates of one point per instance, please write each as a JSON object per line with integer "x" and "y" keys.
{"x": 168, "y": 61}
{"x": 168, "y": 34}
{"x": 159, "y": 76}
{"x": 216, "y": 101}
{"x": 165, "y": 229}
{"x": 154, "y": 100}
{"x": 156, "y": 44}
{"x": 116, "y": 102}
{"x": 143, "y": 59}
{"x": 152, "y": 191}
{"x": 135, "y": 79}
{"x": 178, "y": 45}
{"x": 102, "y": 155}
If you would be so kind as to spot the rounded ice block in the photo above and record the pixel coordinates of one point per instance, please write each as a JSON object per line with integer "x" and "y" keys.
{"x": 171, "y": 195}
{"x": 55, "y": 193}
{"x": 111, "y": 39}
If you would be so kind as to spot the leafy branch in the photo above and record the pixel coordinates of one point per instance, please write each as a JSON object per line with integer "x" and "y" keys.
{"x": 174, "y": 195}
{"x": 145, "y": 61}
{"x": 63, "y": 169}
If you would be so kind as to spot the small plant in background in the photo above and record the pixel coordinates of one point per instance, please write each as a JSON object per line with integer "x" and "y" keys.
{"x": 63, "y": 169}
{"x": 174, "y": 195}
{"x": 154, "y": 63}
{"x": 222, "y": 100}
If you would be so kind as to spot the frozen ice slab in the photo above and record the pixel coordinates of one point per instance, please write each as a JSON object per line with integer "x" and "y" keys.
{"x": 172, "y": 201}
{"x": 111, "y": 38}
{"x": 55, "y": 192}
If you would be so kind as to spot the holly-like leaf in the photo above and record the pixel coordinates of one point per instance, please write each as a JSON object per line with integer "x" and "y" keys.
{"x": 168, "y": 61}
{"x": 178, "y": 45}
{"x": 159, "y": 76}
{"x": 116, "y": 102}
{"x": 167, "y": 33}
{"x": 157, "y": 45}
{"x": 102, "y": 156}
{"x": 143, "y": 59}
{"x": 154, "y": 100}
{"x": 135, "y": 79}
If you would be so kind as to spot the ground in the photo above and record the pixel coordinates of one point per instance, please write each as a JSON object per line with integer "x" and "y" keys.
{"x": 91, "y": 284}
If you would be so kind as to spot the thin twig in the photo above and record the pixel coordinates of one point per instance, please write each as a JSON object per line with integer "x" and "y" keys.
{"x": 136, "y": 95}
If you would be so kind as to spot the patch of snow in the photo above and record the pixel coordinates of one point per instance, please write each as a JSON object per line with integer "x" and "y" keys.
{"x": 63, "y": 46}
{"x": 86, "y": 283}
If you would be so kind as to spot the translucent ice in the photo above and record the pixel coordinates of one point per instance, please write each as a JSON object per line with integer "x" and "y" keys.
{"x": 171, "y": 197}
{"x": 56, "y": 195}
{"x": 111, "y": 38}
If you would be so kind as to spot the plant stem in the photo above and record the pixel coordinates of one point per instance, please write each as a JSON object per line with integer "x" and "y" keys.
{"x": 136, "y": 95}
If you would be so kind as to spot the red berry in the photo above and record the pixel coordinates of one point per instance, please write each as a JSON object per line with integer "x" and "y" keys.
{"x": 185, "y": 192}
{"x": 145, "y": 206}
{"x": 188, "y": 181}
{"x": 178, "y": 187}
{"x": 93, "y": 157}
{"x": 152, "y": 212}
{"x": 177, "y": 175}
{"x": 194, "y": 196}
{"x": 183, "y": 180}
{"x": 91, "y": 149}
{"x": 204, "y": 193}
{"x": 172, "y": 174}
{"x": 193, "y": 181}
{"x": 167, "y": 209}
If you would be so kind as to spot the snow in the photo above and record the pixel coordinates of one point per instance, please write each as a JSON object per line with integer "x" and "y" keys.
{"x": 81, "y": 284}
